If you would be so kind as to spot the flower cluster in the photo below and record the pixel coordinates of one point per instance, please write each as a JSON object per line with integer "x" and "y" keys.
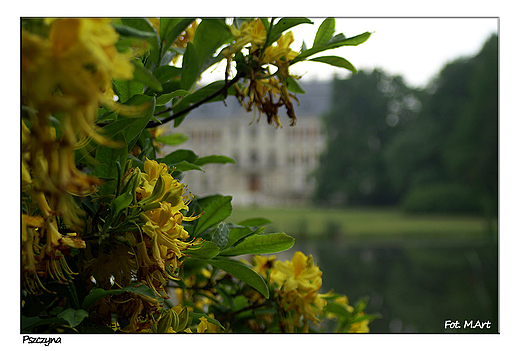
{"x": 263, "y": 92}
{"x": 165, "y": 238}
{"x": 296, "y": 286}
{"x": 66, "y": 74}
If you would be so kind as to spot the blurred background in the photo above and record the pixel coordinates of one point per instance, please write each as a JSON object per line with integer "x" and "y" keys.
{"x": 390, "y": 176}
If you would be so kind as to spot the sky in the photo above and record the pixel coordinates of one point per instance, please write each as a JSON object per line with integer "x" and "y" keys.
{"x": 415, "y": 48}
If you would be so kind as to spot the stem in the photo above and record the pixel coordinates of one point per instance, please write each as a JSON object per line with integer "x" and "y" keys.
{"x": 247, "y": 308}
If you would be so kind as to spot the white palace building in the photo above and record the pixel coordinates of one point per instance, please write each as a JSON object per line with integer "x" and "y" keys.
{"x": 274, "y": 165}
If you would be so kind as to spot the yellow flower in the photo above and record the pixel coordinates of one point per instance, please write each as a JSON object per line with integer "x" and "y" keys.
{"x": 261, "y": 264}
{"x": 203, "y": 325}
{"x": 360, "y": 327}
{"x": 274, "y": 54}
{"x": 173, "y": 191}
{"x": 167, "y": 238}
{"x": 298, "y": 282}
{"x": 69, "y": 73}
{"x": 249, "y": 33}
{"x": 298, "y": 274}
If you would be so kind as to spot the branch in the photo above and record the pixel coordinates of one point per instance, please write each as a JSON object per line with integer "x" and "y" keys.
{"x": 153, "y": 124}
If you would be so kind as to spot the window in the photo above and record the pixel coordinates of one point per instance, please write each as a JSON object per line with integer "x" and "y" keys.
{"x": 253, "y": 157}
{"x": 254, "y": 183}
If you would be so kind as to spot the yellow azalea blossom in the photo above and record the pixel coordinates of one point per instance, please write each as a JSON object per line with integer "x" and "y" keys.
{"x": 300, "y": 273}
{"x": 297, "y": 284}
{"x": 360, "y": 327}
{"x": 249, "y": 33}
{"x": 203, "y": 325}
{"x": 168, "y": 238}
{"x": 160, "y": 250}
{"x": 69, "y": 73}
{"x": 267, "y": 96}
{"x": 274, "y": 54}
{"x": 172, "y": 188}
{"x": 261, "y": 264}
{"x": 79, "y": 58}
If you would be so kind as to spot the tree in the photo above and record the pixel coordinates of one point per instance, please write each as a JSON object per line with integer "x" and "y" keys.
{"x": 367, "y": 110}
{"x": 471, "y": 151}
{"x": 447, "y": 158}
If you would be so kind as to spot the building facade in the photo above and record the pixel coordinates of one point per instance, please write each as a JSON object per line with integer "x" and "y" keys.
{"x": 273, "y": 165}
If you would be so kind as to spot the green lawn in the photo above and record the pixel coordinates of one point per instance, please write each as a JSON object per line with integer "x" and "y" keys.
{"x": 363, "y": 222}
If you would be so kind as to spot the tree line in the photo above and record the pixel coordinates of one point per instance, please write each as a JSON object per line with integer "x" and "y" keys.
{"x": 433, "y": 149}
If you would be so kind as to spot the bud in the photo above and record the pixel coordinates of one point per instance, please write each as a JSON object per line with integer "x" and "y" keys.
{"x": 169, "y": 319}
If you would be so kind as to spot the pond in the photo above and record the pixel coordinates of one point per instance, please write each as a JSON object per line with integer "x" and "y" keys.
{"x": 417, "y": 286}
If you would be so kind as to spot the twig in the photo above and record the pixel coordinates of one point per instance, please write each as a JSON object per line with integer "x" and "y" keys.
{"x": 153, "y": 124}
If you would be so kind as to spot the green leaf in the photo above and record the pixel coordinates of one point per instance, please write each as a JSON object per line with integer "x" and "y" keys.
{"x": 206, "y": 91}
{"x": 125, "y": 89}
{"x": 293, "y": 85}
{"x": 133, "y": 130}
{"x": 191, "y": 67}
{"x": 97, "y": 293}
{"x": 336, "y": 42}
{"x": 261, "y": 244}
{"x": 147, "y": 146}
{"x": 179, "y": 156}
{"x": 214, "y": 159}
{"x": 106, "y": 167}
{"x": 164, "y": 99}
{"x": 282, "y": 25}
{"x": 202, "y": 202}
{"x": 336, "y": 61}
{"x": 132, "y": 32}
{"x": 255, "y": 222}
{"x": 144, "y": 25}
{"x": 363, "y": 317}
{"x": 28, "y": 323}
{"x": 143, "y": 75}
{"x": 120, "y": 203}
{"x": 242, "y": 272}
{"x": 141, "y": 24}
{"x": 170, "y": 36}
{"x": 325, "y": 32}
{"x": 166, "y": 73}
{"x": 141, "y": 289}
{"x": 221, "y": 235}
{"x": 210, "y": 35}
{"x": 239, "y": 233}
{"x": 338, "y": 309}
{"x": 73, "y": 317}
{"x": 185, "y": 166}
{"x": 214, "y": 213}
{"x": 207, "y": 251}
{"x": 166, "y": 24}
{"x": 172, "y": 139}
